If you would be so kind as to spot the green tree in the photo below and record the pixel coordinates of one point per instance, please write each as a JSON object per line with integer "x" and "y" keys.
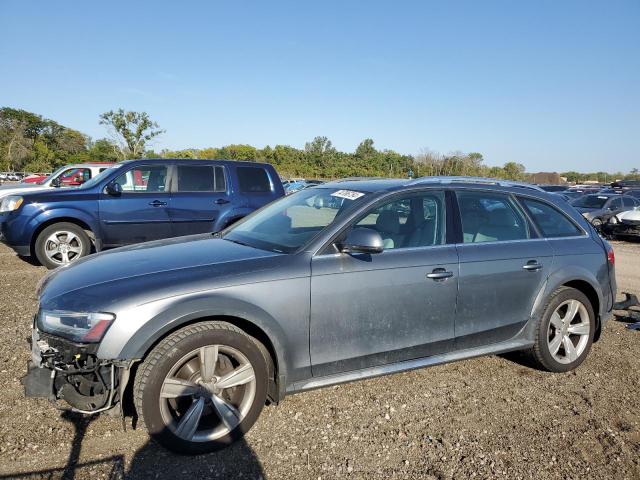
{"x": 131, "y": 131}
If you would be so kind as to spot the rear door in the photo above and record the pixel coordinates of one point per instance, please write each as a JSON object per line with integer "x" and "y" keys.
{"x": 141, "y": 212}
{"x": 198, "y": 199}
{"x": 503, "y": 265}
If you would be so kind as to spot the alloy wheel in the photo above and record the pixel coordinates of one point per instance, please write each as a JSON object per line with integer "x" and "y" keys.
{"x": 207, "y": 393}
{"x": 62, "y": 247}
{"x": 568, "y": 333}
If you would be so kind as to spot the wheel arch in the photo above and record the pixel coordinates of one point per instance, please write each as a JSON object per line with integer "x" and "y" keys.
{"x": 249, "y": 318}
{"x": 62, "y": 219}
{"x": 575, "y": 277}
{"x": 591, "y": 293}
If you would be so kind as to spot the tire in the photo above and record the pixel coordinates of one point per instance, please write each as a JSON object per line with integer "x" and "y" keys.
{"x": 565, "y": 358}
{"x": 172, "y": 362}
{"x": 77, "y": 243}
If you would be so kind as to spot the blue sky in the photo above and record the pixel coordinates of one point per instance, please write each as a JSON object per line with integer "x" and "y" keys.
{"x": 551, "y": 84}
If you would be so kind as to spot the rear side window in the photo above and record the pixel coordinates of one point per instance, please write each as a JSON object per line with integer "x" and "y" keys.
{"x": 552, "y": 223}
{"x": 615, "y": 204}
{"x": 253, "y": 180}
{"x": 201, "y": 178}
{"x": 490, "y": 217}
{"x": 628, "y": 202}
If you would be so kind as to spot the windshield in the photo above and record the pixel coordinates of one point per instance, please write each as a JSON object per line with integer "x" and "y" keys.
{"x": 286, "y": 225}
{"x": 52, "y": 176}
{"x": 590, "y": 201}
{"x": 98, "y": 178}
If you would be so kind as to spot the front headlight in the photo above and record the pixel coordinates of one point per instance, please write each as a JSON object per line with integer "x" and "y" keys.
{"x": 76, "y": 326}
{"x": 10, "y": 203}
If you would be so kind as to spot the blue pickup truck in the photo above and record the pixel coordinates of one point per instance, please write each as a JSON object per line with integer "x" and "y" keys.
{"x": 135, "y": 201}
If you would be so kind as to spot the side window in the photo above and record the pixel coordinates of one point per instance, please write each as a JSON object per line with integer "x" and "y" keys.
{"x": 628, "y": 201}
{"x": 200, "y": 178}
{"x": 144, "y": 179}
{"x": 490, "y": 217}
{"x": 414, "y": 221}
{"x": 615, "y": 204}
{"x": 75, "y": 176}
{"x": 552, "y": 223}
{"x": 253, "y": 180}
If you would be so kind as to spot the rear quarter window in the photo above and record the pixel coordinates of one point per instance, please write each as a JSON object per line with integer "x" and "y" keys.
{"x": 551, "y": 222}
{"x": 253, "y": 180}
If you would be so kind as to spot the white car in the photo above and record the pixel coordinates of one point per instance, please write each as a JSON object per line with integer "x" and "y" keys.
{"x": 67, "y": 176}
{"x": 630, "y": 217}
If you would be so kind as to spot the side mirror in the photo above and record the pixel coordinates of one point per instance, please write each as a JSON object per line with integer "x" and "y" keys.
{"x": 56, "y": 182}
{"x": 362, "y": 240}
{"x": 114, "y": 189}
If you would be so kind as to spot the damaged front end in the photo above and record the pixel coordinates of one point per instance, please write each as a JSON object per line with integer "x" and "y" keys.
{"x": 62, "y": 369}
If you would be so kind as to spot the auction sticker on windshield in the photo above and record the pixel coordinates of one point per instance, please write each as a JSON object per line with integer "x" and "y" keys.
{"x": 348, "y": 194}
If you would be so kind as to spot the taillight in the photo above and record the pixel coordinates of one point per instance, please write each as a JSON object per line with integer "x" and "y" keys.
{"x": 611, "y": 257}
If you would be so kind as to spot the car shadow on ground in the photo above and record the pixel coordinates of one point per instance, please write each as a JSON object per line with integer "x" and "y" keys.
{"x": 150, "y": 461}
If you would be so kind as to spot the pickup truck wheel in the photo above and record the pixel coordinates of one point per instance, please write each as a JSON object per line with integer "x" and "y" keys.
{"x": 565, "y": 331}
{"x": 202, "y": 387}
{"x": 60, "y": 244}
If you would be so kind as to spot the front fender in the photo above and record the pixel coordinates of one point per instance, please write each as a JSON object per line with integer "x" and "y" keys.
{"x": 131, "y": 337}
{"x": 24, "y": 226}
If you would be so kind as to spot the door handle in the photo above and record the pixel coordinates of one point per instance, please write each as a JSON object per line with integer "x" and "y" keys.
{"x": 439, "y": 274}
{"x": 221, "y": 201}
{"x": 157, "y": 203}
{"x": 532, "y": 266}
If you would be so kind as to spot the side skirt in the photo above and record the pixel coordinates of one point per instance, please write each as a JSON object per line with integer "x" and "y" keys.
{"x": 371, "y": 372}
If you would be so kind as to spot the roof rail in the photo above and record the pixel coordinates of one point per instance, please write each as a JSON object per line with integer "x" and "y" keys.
{"x": 483, "y": 180}
{"x": 350, "y": 179}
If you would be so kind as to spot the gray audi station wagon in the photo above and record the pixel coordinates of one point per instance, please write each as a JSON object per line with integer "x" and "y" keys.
{"x": 345, "y": 281}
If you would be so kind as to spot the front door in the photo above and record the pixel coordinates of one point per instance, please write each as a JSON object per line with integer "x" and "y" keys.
{"x": 140, "y": 213}
{"x": 369, "y": 310}
{"x": 502, "y": 268}
{"x": 199, "y": 199}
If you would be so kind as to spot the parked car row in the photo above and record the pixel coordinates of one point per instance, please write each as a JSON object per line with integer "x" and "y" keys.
{"x": 295, "y": 185}
{"x": 345, "y": 281}
{"x": 130, "y": 202}
{"x": 11, "y": 176}
{"x": 599, "y": 204}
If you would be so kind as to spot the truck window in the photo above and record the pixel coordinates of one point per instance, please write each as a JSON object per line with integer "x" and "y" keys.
{"x": 253, "y": 180}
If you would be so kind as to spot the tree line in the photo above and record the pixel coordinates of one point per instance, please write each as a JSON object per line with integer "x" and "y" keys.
{"x": 29, "y": 142}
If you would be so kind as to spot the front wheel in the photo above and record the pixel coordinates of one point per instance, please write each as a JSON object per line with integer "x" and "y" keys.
{"x": 60, "y": 244}
{"x": 565, "y": 331}
{"x": 202, "y": 387}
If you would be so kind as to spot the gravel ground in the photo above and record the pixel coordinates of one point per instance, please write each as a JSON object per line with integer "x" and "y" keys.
{"x": 491, "y": 417}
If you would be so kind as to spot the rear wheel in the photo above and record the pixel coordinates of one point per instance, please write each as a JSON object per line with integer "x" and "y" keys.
{"x": 202, "y": 387}
{"x": 60, "y": 244}
{"x": 565, "y": 331}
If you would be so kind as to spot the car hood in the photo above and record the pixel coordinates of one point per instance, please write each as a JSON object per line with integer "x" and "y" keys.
{"x": 19, "y": 188}
{"x": 151, "y": 270}
{"x": 630, "y": 216}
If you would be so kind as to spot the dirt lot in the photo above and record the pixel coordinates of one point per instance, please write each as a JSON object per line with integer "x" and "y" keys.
{"x": 484, "y": 418}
